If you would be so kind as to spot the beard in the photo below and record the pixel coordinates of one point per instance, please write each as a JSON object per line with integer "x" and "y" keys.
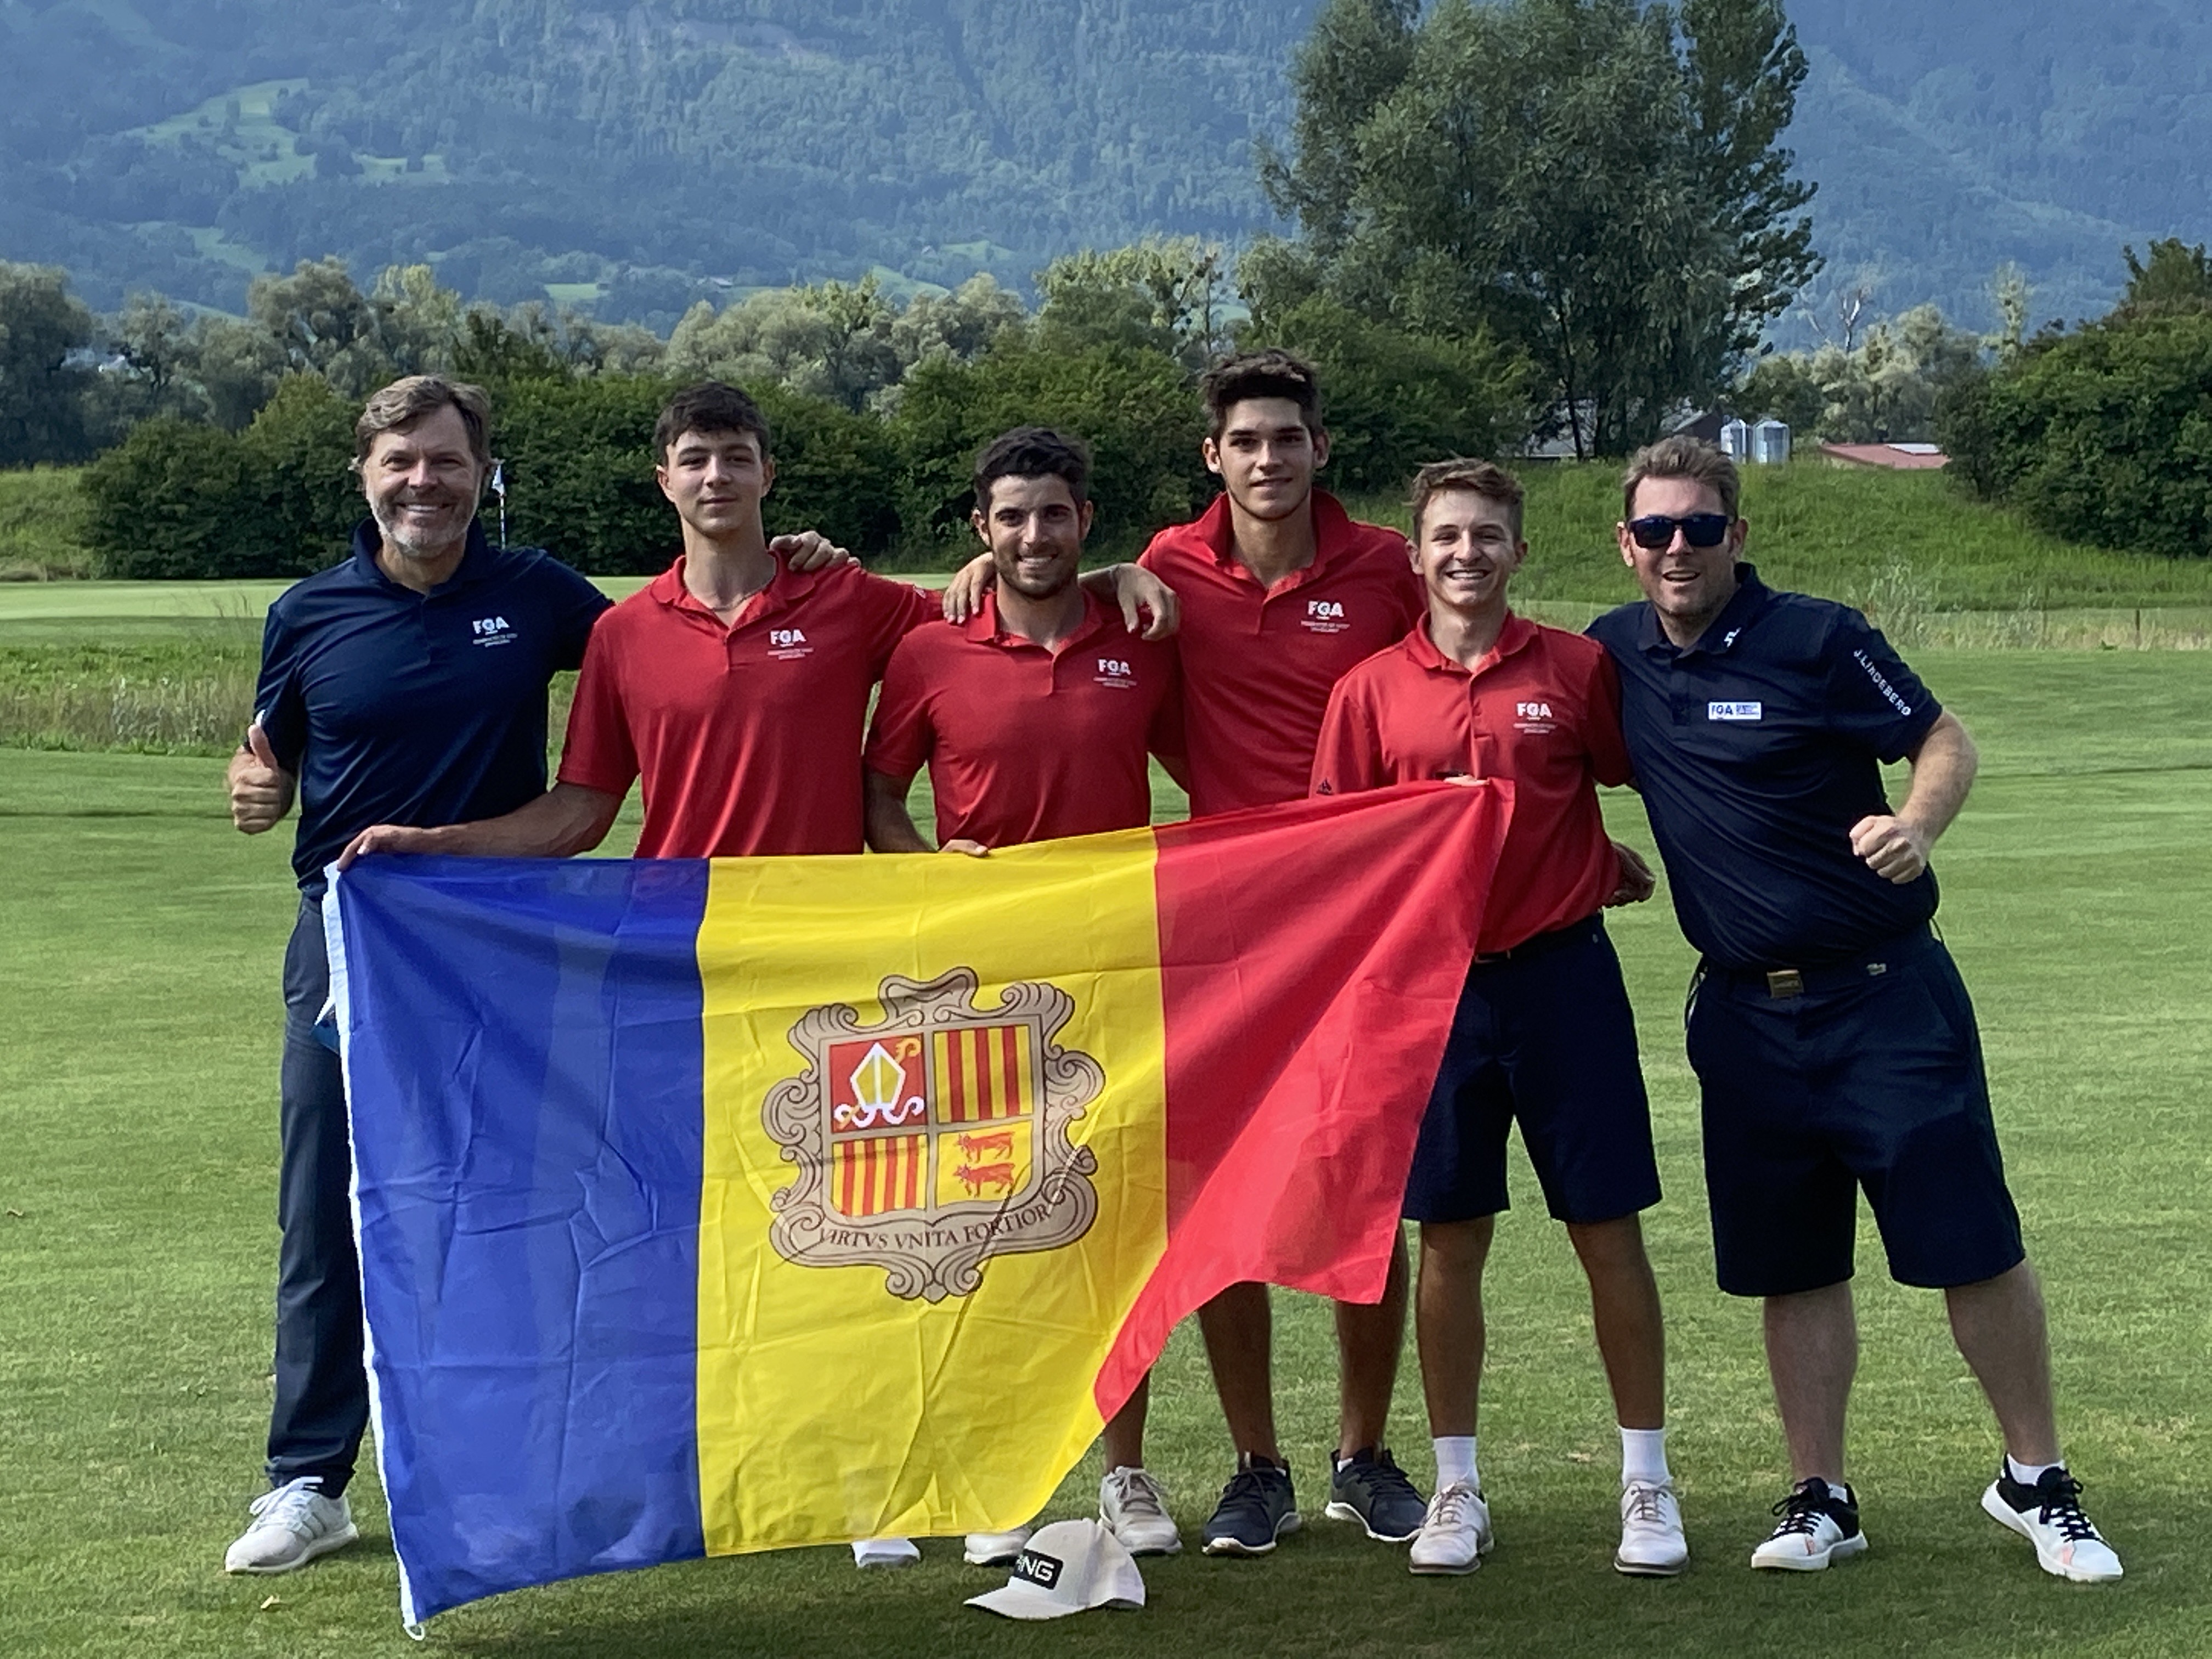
{"x": 433, "y": 540}
{"x": 1044, "y": 584}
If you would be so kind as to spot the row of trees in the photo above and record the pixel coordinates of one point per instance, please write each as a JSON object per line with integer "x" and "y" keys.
{"x": 878, "y": 408}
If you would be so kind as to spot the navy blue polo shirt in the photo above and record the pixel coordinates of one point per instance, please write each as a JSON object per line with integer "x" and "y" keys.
{"x": 1756, "y": 751}
{"x": 395, "y": 706}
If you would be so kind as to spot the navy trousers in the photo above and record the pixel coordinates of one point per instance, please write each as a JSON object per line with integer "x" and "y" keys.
{"x": 322, "y": 1392}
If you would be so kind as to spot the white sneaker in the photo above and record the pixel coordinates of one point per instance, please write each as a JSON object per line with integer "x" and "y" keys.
{"x": 1819, "y": 1524}
{"x": 2049, "y": 1516}
{"x": 995, "y": 1549}
{"x": 1133, "y": 1507}
{"x": 1454, "y": 1534}
{"x": 1652, "y": 1541}
{"x": 869, "y": 1553}
{"x": 291, "y": 1527}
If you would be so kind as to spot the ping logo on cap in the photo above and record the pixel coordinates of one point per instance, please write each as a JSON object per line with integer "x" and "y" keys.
{"x": 1037, "y": 1568}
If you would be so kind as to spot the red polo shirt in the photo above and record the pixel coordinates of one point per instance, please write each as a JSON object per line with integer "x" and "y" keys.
{"x": 1258, "y": 662}
{"x": 1024, "y": 743}
{"x": 1542, "y": 708}
{"x": 748, "y": 737}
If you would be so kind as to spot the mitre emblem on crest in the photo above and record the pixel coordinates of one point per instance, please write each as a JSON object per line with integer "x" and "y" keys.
{"x": 935, "y": 1139}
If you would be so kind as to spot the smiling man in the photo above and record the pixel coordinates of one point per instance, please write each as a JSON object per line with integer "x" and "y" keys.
{"x": 1034, "y": 717}
{"x": 1544, "y": 1035}
{"x": 1282, "y": 592}
{"x": 1833, "y": 1041}
{"x": 407, "y": 683}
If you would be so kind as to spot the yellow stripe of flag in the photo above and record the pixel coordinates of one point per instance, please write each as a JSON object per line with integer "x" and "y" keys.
{"x": 829, "y": 1406}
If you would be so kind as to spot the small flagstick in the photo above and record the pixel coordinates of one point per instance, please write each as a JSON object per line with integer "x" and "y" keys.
{"x": 499, "y": 488}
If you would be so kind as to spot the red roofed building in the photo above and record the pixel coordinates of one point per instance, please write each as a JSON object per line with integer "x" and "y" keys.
{"x": 1898, "y": 458}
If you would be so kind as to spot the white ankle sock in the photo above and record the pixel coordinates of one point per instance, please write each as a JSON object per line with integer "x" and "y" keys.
{"x": 1643, "y": 1456}
{"x": 1455, "y": 1459}
{"x": 2028, "y": 1474}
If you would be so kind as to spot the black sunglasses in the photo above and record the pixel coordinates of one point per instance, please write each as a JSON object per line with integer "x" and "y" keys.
{"x": 1656, "y": 530}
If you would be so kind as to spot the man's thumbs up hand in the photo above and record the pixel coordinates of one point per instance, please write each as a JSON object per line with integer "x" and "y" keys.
{"x": 260, "y": 789}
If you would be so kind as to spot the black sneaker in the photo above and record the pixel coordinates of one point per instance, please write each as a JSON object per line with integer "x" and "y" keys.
{"x": 1256, "y": 1508}
{"x": 1819, "y": 1524}
{"x": 1370, "y": 1487}
{"x": 2049, "y": 1516}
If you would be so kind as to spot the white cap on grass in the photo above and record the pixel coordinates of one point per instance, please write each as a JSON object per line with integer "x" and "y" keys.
{"x": 1068, "y": 1566}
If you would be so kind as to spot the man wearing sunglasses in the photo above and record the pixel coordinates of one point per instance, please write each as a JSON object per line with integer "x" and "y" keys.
{"x": 1834, "y": 1044}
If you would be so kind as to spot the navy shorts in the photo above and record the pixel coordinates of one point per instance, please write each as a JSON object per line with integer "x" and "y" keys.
{"x": 1870, "y": 1076}
{"x": 1545, "y": 1036}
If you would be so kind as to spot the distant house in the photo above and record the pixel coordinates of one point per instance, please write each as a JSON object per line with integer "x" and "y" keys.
{"x": 1898, "y": 458}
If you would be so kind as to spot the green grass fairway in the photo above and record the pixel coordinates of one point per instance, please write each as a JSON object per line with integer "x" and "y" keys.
{"x": 138, "y": 1039}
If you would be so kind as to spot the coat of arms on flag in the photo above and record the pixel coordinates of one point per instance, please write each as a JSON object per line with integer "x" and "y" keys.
{"x": 935, "y": 1139}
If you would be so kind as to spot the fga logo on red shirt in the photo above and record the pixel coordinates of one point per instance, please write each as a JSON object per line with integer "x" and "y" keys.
{"x": 785, "y": 643}
{"x": 1112, "y": 671}
{"x": 1532, "y": 716}
{"x": 1326, "y": 616}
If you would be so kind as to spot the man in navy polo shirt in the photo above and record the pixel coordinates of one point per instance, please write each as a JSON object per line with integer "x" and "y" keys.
{"x": 406, "y": 685}
{"x": 1833, "y": 1041}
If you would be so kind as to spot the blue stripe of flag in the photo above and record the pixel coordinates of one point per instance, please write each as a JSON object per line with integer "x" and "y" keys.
{"x": 522, "y": 1045}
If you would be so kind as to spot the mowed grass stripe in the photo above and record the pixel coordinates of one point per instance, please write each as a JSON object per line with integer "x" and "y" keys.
{"x": 138, "y": 1035}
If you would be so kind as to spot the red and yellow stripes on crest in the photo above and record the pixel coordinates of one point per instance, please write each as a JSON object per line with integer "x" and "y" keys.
{"x": 879, "y": 1173}
{"x": 983, "y": 1073}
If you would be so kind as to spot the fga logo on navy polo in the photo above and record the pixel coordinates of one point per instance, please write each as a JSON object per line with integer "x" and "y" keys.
{"x": 1734, "y": 711}
{"x": 492, "y": 630}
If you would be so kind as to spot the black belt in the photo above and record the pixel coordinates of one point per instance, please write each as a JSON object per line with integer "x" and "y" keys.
{"x": 1871, "y": 963}
{"x": 1542, "y": 944}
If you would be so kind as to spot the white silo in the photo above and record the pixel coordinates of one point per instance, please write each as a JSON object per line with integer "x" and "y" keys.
{"x": 1770, "y": 442}
{"x": 1735, "y": 441}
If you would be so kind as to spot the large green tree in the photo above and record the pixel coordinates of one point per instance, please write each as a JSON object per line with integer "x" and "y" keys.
{"x": 42, "y": 325}
{"x": 1599, "y": 182}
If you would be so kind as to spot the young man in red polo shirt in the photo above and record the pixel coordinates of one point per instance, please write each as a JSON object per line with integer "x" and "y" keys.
{"x": 1034, "y": 717}
{"x": 1281, "y": 592}
{"x": 735, "y": 685}
{"x": 1543, "y": 1033}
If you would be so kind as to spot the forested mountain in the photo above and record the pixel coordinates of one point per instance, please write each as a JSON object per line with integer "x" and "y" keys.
{"x": 1951, "y": 136}
{"x": 639, "y": 155}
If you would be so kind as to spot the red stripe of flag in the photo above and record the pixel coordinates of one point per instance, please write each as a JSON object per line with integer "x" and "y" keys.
{"x": 1303, "y": 1040}
{"x": 1010, "y": 1057}
{"x": 956, "y": 1082}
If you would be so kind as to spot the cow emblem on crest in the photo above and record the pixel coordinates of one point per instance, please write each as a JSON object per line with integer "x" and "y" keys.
{"x": 935, "y": 1139}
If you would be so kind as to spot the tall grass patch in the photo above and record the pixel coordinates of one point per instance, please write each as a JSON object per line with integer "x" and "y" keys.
{"x": 189, "y": 695}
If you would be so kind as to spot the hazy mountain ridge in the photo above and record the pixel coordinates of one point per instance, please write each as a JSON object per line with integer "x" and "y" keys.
{"x": 635, "y": 153}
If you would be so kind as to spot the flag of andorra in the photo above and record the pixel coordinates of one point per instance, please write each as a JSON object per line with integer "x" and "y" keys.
{"x": 708, "y": 1207}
